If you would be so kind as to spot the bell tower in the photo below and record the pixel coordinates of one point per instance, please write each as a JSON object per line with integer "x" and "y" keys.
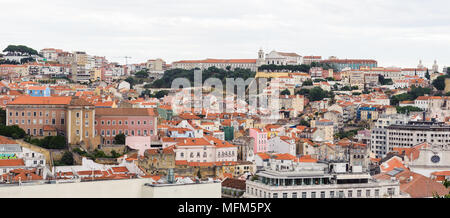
{"x": 261, "y": 58}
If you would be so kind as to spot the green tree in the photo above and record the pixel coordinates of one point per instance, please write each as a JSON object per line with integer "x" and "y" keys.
{"x": 285, "y": 92}
{"x": 307, "y": 83}
{"x": 141, "y": 74}
{"x": 439, "y": 82}
{"x": 161, "y": 93}
{"x": 406, "y": 109}
{"x": 304, "y": 123}
{"x": 131, "y": 81}
{"x": 120, "y": 139}
{"x": 2, "y": 117}
{"x": 67, "y": 159}
{"x": 20, "y": 49}
{"x": 427, "y": 75}
{"x": 14, "y": 132}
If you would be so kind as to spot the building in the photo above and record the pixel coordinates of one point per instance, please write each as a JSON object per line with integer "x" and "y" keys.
{"x": 353, "y": 64}
{"x": 308, "y": 60}
{"x": 156, "y": 65}
{"x": 417, "y": 132}
{"x": 260, "y": 139}
{"x": 279, "y": 58}
{"x": 219, "y": 63}
{"x": 59, "y": 115}
{"x": 378, "y": 143}
{"x": 317, "y": 180}
{"x": 39, "y": 91}
{"x": 110, "y": 122}
{"x": 15, "y": 157}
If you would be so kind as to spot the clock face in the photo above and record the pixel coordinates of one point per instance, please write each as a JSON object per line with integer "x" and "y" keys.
{"x": 435, "y": 159}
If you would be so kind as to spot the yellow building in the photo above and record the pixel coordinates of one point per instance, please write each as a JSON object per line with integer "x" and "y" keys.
{"x": 271, "y": 74}
{"x": 96, "y": 74}
{"x": 81, "y": 124}
{"x": 447, "y": 85}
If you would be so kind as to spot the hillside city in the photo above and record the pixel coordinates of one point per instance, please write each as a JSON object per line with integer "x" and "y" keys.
{"x": 76, "y": 124}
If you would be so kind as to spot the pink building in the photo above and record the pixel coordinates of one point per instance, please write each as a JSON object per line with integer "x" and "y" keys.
{"x": 260, "y": 137}
{"x": 140, "y": 143}
{"x": 110, "y": 122}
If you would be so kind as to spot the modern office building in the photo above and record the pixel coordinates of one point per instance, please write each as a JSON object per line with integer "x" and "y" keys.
{"x": 378, "y": 144}
{"x": 318, "y": 180}
{"x": 416, "y": 132}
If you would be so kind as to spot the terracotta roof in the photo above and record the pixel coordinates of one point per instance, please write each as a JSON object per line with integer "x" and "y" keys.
{"x": 7, "y": 141}
{"x": 12, "y": 162}
{"x": 28, "y": 100}
{"x": 234, "y": 183}
{"x": 419, "y": 187}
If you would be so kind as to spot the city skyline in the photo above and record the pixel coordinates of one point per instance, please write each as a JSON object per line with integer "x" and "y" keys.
{"x": 393, "y": 33}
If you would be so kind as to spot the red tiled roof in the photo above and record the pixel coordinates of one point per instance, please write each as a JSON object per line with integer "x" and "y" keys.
{"x": 12, "y": 162}
{"x": 28, "y": 100}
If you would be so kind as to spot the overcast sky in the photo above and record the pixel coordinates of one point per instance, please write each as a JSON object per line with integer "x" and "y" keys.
{"x": 394, "y": 32}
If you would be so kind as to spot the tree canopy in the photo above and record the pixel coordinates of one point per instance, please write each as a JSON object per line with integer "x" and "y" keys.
{"x": 20, "y": 49}
{"x": 439, "y": 82}
{"x": 120, "y": 139}
{"x": 315, "y": 94}
{"x": 292, "y": 68}
{"x": 50, "y": 142}
{"x": 212, "y": 72}
{"x": 14, "y": 131}
{"x": 411, "y": 95}
{"x": 404, "y": 110}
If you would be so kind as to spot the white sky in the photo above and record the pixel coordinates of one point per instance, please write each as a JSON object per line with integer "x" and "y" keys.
{"x": 394, "y": 32}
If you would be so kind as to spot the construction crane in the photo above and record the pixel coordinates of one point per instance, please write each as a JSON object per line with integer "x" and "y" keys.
{"x": 126, "y": 59}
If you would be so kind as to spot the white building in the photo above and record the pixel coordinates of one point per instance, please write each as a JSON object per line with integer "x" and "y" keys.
{"x": 282, "y": 145}
{"x": 279, "y": 58}
{"x": 219, "y": 63}
{"x": 318, "y": 180}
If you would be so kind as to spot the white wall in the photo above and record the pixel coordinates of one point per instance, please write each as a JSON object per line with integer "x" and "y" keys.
{"x": 133, "y": 188}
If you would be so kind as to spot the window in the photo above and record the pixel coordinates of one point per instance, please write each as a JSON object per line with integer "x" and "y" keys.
{"x": 275, "y": 195}
{"x": 358, "y": 193}
{"x": 313, "y": 194}
{"x": 78, "y": 115}
{"x": 78, "y": 132}
{"x": 322, "y": 194}
{"x": 368, "y": 193}
{"x": 285, "y": 195}
{"x": 391, "y": 191}
{"x": 350, "y": 193}
{"x": 331, "y": 194}
{"x": 294, "y": 195}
